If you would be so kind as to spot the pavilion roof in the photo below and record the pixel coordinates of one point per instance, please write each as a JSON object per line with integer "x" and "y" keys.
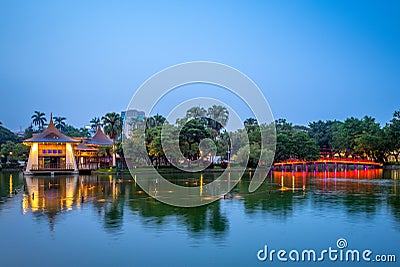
{"x": 51, "y": 135}
{"x": 84, "y": 147}
{"x": 99, "y": 138}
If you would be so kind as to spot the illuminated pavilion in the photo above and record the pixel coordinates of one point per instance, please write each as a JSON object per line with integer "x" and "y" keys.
{"x": 87, "y": 153}
{"x": 53, "y": 152}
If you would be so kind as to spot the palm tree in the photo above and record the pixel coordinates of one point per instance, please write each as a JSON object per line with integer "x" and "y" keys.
{"x": 60, "y": 123}
{"x": 196, "y": 112}
{"x": 156, "y": 120}
{"x": 250, "y": 122}
{"x": 112, "y": 123}
{"x": 159, "y": 119}
{"x": 94, "y": 123}
{"x": 219, "y": 113}
{"x": 38, "y": 118}
{"x": 218, "y": 118}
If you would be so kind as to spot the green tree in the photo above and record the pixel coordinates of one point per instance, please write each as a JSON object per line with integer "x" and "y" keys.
{"x": 250, "y": 124}
{"x": 112, "y": 123}
{"x": 94, "y": 123}
{"x": 223, "y": 144}
{"x": 219, "y": 113}
{"x": 20, "y": 152}
{"x": 134, "y": 147}
{"x": 238, "y": 139}
{"x": 259, "y": 145}
{"x": 373, "y": 144}
{"x": 190, "y": 136}
{"x": 169, "y": 146}
{"x": 242, "y": 155}
{"x": 6, "y": 151}
{"x": 393, "y": 135}
{"x": 344, "y": 138}
{"x": 368, "y": 142}
{"x": 12, "y": 152}
{"x": 358, "y": 138}
{"x": 284, "y": 147}
{"x": 155, "y": 121}
{"x": 156, "y": 150}
{"x": 196, "y": 112}
{"x": 218, "y": 117}
{"x": 181, "y": 121}
{"x": 294, "y": 143}
{"x": 322, "y": 132}
{"x": 7, "y": 135}
{"x": 153, "y": 144}
{"x": 39, "y": 119}
{"x": 75, "y": 132}
{"x": 282, "y": 125}
{"x": 59, "y": 122}
{"x": 28, "y": 133}
{"x": 305, "y": 148}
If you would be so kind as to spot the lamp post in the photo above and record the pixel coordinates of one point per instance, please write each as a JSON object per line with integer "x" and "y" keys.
{"x": 229, "y": 157}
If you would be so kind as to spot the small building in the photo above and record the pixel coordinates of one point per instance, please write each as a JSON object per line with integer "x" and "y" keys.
{"x": 53, "y": 152}
{"x": 132, "y": 119}
{"x": 88, "y": 153}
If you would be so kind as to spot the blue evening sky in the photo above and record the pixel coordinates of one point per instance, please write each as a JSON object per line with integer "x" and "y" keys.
{"x": 312, "y": 59}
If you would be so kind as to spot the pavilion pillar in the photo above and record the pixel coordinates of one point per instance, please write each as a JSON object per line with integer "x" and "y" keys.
{"x": 69, "y": 157}
{"x": 33, "y": 157}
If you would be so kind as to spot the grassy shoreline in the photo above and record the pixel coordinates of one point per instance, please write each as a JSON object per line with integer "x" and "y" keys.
{"x": 392, "y": 166}
{"x": 164, "y": 170}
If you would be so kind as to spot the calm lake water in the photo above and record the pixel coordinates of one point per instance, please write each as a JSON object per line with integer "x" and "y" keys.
{"x": 109, "y": 221}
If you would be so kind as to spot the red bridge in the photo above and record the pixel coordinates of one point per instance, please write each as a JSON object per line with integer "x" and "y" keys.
{"x": 326, "y": 163}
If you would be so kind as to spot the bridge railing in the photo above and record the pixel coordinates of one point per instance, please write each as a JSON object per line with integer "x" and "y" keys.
{"x": 329, "y": 160}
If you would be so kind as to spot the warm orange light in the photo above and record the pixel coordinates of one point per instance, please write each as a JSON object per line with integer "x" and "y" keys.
{"x": 201, "y": 184}
{"x": 11, "y": 185}
{"x": 293, "y": 182}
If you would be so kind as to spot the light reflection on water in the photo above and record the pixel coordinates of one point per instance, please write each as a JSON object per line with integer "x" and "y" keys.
{"x": 93, "y": 213}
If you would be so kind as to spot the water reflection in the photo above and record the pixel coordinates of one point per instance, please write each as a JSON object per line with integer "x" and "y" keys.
{"x": 50, "y": 195}
{"x": 10, "y": 185}
{"x": 208, "y": 218}
{"x": 354, "y": 192}
{"x": 108, "y": 195}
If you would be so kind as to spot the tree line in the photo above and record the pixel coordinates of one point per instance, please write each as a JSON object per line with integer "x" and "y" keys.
{"x": 356, "y": 138}
{"x": 353, "y": 137}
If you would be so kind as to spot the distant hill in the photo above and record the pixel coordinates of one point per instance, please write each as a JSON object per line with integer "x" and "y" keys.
{"x": 7, "y": 135}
